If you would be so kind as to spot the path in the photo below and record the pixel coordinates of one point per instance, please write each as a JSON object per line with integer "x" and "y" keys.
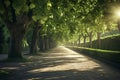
{"x": 60, "y": 64}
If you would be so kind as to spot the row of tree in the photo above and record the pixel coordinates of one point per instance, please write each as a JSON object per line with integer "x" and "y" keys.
{"x": 51, "y": 21}
{"x": 100, "y": 19}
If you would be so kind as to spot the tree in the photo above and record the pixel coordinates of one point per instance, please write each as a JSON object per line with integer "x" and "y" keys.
{"x": 17, "y": 16}
{"x": 41, "y": 14}
{"x": 2, "y": 41}
{"x": 34, "y": 40}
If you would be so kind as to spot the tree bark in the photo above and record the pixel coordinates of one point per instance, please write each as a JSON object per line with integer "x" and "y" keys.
{"x": 1, "y": 38}
{"x": 46, "y": 42}
{"x": 79, "y": 41}
{"x": 84, "y": 37}
{"x": 17, "y": 35}
{"x": 49, "y": 42}
{"x": 41, "y": 43}
{"x": 17, "y": 26}
{"x": 85, "y": 41}
{"x": 34, "y": 42}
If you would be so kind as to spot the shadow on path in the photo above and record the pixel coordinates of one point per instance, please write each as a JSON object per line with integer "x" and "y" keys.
{"x": 59, "y": 64}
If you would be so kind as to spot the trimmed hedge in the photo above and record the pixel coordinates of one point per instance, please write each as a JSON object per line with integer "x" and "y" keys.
{"x": 112, "y": 56}
{"x": 107, "y": 43}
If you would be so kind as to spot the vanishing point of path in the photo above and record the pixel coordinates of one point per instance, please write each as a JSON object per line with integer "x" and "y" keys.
{"x": 59, "y": 64}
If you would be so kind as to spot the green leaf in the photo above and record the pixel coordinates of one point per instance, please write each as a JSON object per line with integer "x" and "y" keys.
{"x": 34, "y": 18}
{"x": 49, "y": 5}
{"x": 42, "y": 21}
{"x": 25, "y": 8}
{"x": 7, "y": 2}
{"x": 32, "y": 6}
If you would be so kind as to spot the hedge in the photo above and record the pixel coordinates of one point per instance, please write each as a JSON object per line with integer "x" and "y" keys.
{"x": 107, "y": 43}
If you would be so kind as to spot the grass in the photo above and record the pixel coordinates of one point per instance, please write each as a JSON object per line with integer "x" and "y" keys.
{"x": 93, "y": 49}
{"x": 99, "y": 50}
{"x": 3, "y": 72}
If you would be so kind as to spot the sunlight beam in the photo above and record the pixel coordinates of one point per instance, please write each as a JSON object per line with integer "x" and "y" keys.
{"x": 118, "y": 13}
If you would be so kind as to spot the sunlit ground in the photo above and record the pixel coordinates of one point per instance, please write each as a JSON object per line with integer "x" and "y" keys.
{"x": 60, "y": 64}
{"x": 75, "y": 61}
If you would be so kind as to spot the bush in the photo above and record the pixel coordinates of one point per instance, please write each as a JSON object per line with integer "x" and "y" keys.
{"x": 108, "y": 43}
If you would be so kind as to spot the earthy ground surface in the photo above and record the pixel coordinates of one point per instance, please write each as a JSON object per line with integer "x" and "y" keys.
{"x": 58, "y": 64}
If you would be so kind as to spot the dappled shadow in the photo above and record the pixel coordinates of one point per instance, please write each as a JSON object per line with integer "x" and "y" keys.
{"x": 59, "y": 64}
{"x": 70, "y": 75}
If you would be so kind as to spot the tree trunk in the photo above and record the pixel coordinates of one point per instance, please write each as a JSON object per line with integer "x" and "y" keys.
{"x": 16, "y": 25}
{"x": 85, "y": 41}
{"x": 46, "y": 43}
{"x": 49, "y": 43}
{"x": 43, "y": 38}
{"x": 34, "y": 42}
{"x": 17, "y": 35}
{"x": 79, "y": 41}
{"x": 41, "y": 43}
{"x": 99, "y": 40}
{"x": 1, "y": 38}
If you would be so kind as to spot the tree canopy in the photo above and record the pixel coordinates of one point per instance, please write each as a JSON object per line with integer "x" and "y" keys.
{"x": 62, "y": 20}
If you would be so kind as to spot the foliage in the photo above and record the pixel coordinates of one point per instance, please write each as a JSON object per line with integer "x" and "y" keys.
{"x": 4, "y": 73}
{"x": 111, "y": 32}
{"x": 4, "y": 36}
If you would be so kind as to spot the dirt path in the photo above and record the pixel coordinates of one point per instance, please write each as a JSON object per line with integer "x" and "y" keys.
{"x": 59, "y": 64}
